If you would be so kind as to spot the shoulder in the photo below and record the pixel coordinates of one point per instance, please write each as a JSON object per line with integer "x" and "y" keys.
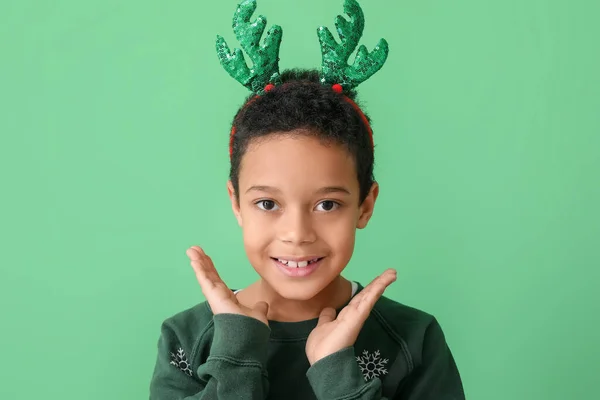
{"x": 190, "y": 320}
{"x": 411, "y": 328}
{"x": 187, "y": 330}
{"x": 403, "y": 319}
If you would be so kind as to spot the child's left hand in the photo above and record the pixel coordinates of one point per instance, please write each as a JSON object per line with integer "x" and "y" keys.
{"x": 333, "y": 334}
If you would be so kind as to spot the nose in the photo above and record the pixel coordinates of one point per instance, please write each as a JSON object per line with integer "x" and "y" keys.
{"x": 296, "y": 227}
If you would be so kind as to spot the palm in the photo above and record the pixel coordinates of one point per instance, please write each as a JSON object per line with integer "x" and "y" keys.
{"x": 220, "y": 298}
{"x": 329, "y": 335}
{"x": 333, "y": 334}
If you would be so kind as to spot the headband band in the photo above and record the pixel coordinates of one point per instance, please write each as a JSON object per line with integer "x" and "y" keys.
{"x": 363, "y": 117}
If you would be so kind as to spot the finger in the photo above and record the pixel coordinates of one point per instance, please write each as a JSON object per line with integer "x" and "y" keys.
{"x": 366, "y": 299}
{"x": 194, "y": 250}
{"x": 199, "y": 259}
{"x": 195, "y": 253}
{"x": 375, "y": 290}
{"x": 326, "y": 315}
{"x": 359, "y": 308}
{"x": 203, "y": 267}
{"x": 379, "y": 284}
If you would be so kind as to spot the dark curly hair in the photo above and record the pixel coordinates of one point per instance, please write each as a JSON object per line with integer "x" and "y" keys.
{"x": 302, "y": 103}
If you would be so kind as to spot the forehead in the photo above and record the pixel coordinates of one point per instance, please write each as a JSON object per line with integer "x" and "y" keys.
{"x": 297, "y": 163}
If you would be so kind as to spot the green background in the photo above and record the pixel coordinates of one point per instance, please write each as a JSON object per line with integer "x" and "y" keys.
{"x": 113, "y": 152}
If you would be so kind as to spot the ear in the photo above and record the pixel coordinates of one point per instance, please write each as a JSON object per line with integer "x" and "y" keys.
{"x": 367, "y": 206}
{"x": 235, "y": 205}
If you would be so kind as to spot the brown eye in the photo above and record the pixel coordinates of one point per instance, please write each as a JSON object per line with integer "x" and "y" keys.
{"x": 328, "y": 205}
{"x": 267, "y": 205}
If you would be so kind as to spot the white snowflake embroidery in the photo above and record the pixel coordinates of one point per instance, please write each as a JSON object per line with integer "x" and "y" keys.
{"x": 371, "y": 365}
{"x": 180, "y": 361}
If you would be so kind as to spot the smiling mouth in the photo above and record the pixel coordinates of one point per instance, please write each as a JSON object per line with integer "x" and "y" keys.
{"x": 298, "y": 264}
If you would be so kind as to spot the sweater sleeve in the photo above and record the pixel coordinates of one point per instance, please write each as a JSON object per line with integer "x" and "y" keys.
{"x": 436, "y": 377}
{"x": 234, "y": 369}
{"x": 338, "y": 376}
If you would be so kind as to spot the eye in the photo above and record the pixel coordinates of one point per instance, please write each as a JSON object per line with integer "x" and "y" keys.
{"x": 266, "y": 205}
{"x": 328, "y": 205}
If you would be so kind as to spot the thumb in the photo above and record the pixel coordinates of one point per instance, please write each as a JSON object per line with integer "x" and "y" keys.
{"x": 262, "y": 308}
{"x": 326, "y": 315}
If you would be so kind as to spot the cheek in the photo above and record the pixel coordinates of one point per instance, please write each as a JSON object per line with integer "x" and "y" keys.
{"x": 256, "y": 231}
{"x": 343, "y": 239}
{"x": 339, "y": 233}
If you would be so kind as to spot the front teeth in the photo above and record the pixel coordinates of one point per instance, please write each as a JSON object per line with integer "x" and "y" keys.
{"x": 294, "y": 264}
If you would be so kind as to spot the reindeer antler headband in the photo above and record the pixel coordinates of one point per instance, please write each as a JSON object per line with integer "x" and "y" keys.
{"x": 335, "y": 70}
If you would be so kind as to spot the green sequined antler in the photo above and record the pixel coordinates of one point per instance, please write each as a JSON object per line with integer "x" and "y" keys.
{"x": 265, "y": 58}
{"x": 335, "y": 68}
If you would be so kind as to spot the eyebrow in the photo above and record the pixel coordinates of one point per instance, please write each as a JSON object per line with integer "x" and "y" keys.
{"x": 323, "y": 190}
{"x": 333, "y": 189}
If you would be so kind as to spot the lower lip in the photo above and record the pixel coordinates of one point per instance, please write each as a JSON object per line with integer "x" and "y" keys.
{"x": 298, "y": 272}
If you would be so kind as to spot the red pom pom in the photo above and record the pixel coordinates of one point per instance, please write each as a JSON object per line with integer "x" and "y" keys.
{"x": 337, "y": 88}
{"x": 269, "y": 87}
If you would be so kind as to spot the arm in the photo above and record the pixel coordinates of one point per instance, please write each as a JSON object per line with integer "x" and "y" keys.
{"x": 236, "y": 365}
{"x": 338, "y": 376}
{"x": 436, "y": 377}
{"x": 235, "y": 368}
{"x": 334, "y": 373}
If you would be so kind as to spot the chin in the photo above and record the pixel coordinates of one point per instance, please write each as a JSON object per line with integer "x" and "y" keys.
{"x": 298, "y": 289}
{"x": 298, "y": 292}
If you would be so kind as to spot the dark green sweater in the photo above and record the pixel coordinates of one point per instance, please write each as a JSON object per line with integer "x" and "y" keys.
{"x": 400, "y": 353}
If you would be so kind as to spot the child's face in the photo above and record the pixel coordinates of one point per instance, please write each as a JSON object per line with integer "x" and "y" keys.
{"x": 299, "y": 198}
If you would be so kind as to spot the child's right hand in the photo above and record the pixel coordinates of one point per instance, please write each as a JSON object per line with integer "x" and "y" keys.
{"x": 220, "y": 298}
